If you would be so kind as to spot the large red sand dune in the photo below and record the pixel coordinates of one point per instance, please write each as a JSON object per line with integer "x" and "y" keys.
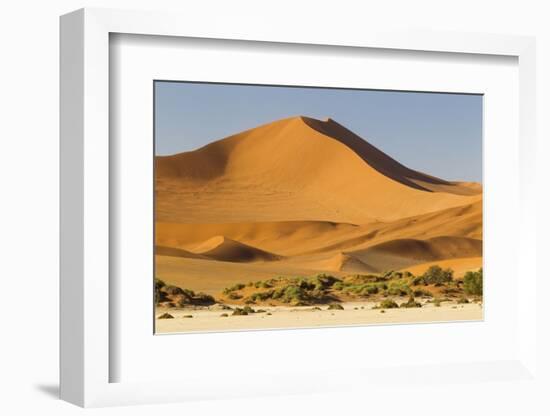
{"x": 301, "y": 195}
{"x": 296, "y": 169}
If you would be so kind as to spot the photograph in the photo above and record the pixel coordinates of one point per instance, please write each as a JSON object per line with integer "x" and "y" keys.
{"x": 283, "y": 207}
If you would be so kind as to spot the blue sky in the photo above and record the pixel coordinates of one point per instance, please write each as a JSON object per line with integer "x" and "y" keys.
{"x": 439, "y": 134}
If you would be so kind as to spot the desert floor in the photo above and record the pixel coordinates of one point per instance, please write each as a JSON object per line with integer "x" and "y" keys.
{"x": 354, "y": 313}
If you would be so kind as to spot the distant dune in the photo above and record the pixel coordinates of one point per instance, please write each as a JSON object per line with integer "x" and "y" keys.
{"x": 346, "y": 263}
{"x": 224, "y": 249}
{"x": 399, "y": 253}
{"x": 300, "y": 196}
{"x": 176, "y": 252}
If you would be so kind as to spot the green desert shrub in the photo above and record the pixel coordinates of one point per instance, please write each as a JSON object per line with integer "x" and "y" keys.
{"x": 248, "y": 309}
{"x": 335, "y": 306}
{"x": 203, "y": 299}
{"x": 422, "y": 292}
{"x": 294, "y": 294}
{"x": 450, "y": 291}
{"x": 364, "y": 278}
{"x": 263, "y": 284}
{"x": 159, "y": 296}
{"x": 398, "y": 288}
{"x": 278, "y": 293}
{"x": 182, "y": 302}
{"x": 473, "y": 283}
{"x": 172, "y": 290}
{"x": 234, "y": 296}
{"x": 435, "y": 275}
{"x": 411, "y": 303}
{"x": 261, "y": 296}
{"x": 364, "y": 290}
{"x": 188, "y": 297}
{"x": 462, "y": 301}
{"x": 305, "y": 284}
{"x": 387, "y": 304}
{"x": 417, "y": 280}
{"x": 324, "y": 281}
{"x": 233, "y": 288}
{"x": 188, "y": 292}
{"x": 372, "y": 289}
{"x": 239, "y": 312}
{"x": 165, "y": 315}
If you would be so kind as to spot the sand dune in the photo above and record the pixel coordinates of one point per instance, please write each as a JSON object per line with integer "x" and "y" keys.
{"x": 301, "y": 196}
{"x": 401, "y": 253}
{"x": 430, "y": 249}
{"x": 224, "y": 249}
{"x": 296, "y": 169}
{"x": 176, "y": 252}
{"x": 281, "y": 237}
{"x": 385, "y": 164}
{"x": 347, "y": 263}
{"x": 308, "y": 237}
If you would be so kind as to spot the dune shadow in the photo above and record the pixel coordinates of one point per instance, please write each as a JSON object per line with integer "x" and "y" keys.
{"x": 374, "y": 157}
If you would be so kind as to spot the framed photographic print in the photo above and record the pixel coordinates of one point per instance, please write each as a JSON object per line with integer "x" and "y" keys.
{"x": 291, "y": 221}
{"x": 270, "y": 206}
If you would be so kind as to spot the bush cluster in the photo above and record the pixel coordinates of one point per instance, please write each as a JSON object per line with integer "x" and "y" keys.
{"x": 387, "y": 304}
{"x": 411, "y": 303}
{"x": 435, "y": 275}
{"x": 233, "y": 288}
{"x": 296, "y": 291}
{"x": 473, "y": 283}
{"x": 243, "y": 311}
{"x": 176, "y": 296}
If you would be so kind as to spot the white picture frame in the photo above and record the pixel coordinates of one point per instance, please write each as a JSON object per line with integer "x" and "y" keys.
{"x": 86, "y": 353}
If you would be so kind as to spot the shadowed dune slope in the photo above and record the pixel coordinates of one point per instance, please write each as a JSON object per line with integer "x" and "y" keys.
{"x": 385, "y": 164}
{"x": 346, "y": 263}
{"x": 401, "y": 253}
{"x": 224, "y": 249}
{"x": 296, "y": 169}
{"x": 176, "y": 252}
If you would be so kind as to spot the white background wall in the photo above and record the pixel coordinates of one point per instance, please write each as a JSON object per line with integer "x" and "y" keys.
{"x": 29, "y": 182}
